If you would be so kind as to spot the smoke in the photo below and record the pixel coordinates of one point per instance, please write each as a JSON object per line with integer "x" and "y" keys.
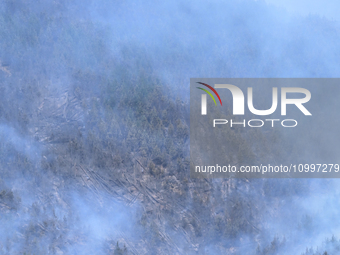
{"x": 65, "y": 63}
{"x": 328, "y": 9}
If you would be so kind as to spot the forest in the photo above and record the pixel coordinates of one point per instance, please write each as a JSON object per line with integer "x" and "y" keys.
{"x": 95, "y": 129}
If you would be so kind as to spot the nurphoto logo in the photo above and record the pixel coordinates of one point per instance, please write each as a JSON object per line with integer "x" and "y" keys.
{"x": 238, "y": 107}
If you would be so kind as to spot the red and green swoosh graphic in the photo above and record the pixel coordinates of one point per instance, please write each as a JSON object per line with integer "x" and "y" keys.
{"x": 208, "y": 92}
